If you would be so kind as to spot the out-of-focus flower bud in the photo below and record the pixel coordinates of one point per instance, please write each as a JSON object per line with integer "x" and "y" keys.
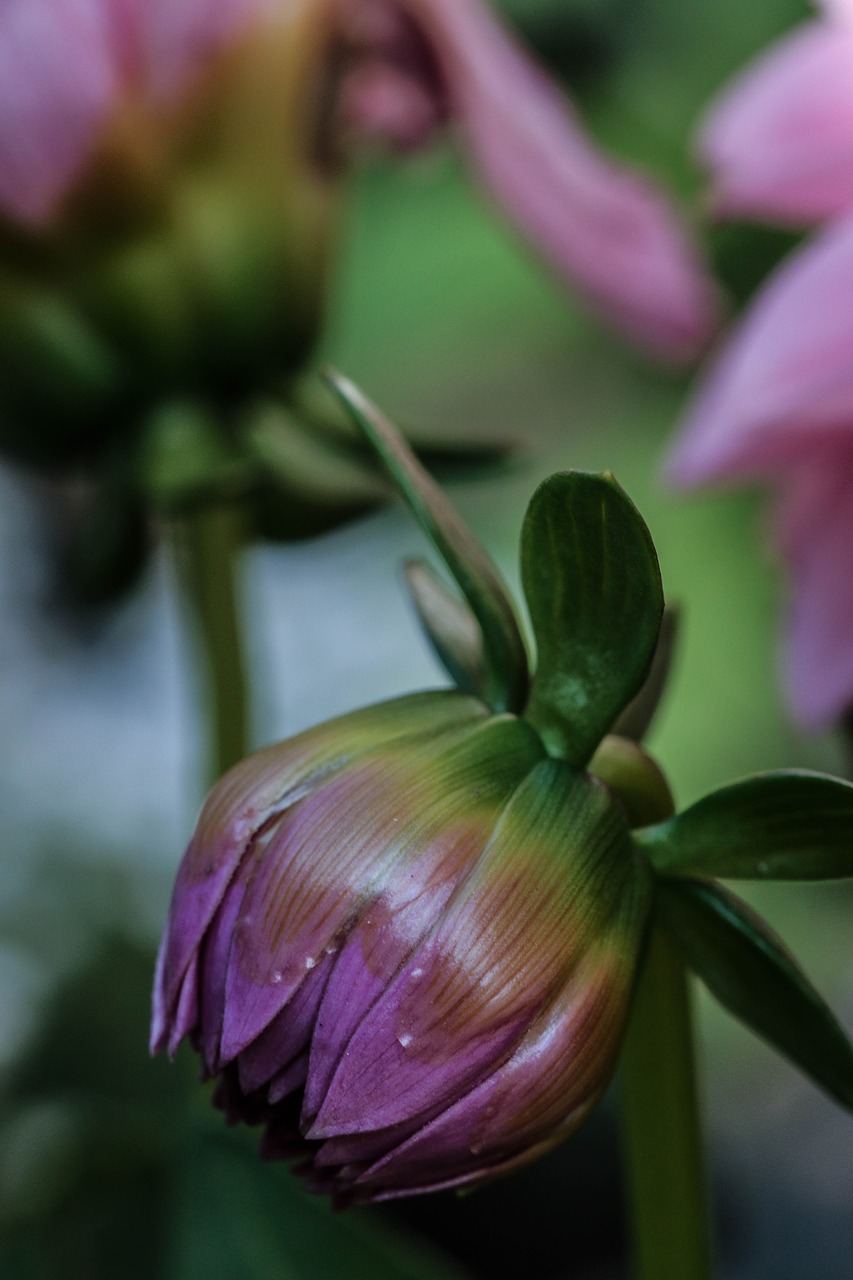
{"x": 405, "y": 941}
{"x": 165, "y": 218}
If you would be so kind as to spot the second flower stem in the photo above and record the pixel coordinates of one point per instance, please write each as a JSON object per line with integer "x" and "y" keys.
{"x": 211, "y": 540}
{"x": 663, "y": 1141}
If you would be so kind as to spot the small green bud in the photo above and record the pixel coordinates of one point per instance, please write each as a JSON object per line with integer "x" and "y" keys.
{"x": 635, "y": 778}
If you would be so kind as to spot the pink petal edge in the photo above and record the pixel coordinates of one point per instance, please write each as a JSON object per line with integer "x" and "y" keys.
{"x": 779, "y": 141}
{"x": 814, "y": 530}
{"x": 783, "y": 383}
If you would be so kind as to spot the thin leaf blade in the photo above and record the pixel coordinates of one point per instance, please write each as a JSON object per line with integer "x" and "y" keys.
{"x": 750, "y": 971}
{"x": 593, "y": 588}
{"x": 479, "y": 581}
{"x": 790, "y": 825}
{"x": 450, "y": 627}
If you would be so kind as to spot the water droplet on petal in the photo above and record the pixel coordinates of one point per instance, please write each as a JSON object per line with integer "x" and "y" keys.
{"x": 310, "y": 962}
{"x": 277, "y": 976}
{"x": 417, "y": 973}
{"x": 405, "y": 1039}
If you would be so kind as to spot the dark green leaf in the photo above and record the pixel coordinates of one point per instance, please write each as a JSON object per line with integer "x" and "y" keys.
{"x": 593, "y": 587}
{"x": 450, "y": 627}
{"x": 747, "y": 967}
{"x": 776, "y": 826}
{"x": 503, "y": 648}
{"x": 239, "y": 1217}
{"x": 636, "y": 719}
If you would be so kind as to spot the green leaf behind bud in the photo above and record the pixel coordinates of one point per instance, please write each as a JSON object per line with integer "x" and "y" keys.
{"x": 747, "y": 967}
{"x": 790, "y": 825}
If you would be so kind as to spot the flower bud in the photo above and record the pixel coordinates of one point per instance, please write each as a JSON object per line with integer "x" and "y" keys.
{"x": 180, "y": 248}
{"x": 405, "y": 942}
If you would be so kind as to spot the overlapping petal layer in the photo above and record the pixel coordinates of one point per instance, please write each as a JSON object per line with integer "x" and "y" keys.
{"x": 261, "y": 789}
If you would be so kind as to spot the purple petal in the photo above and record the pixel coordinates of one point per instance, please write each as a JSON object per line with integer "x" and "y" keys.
{"x": 784, "y": 383}
{"x": 535, "y": 1099}
{"x": 415, "y": 895}
{"x": 288, "y": 1035}
{"x": 331, "y": 854}
{"x": 258, "y": 789}
{"x": 289, "y": 1080}
{"x": 611, "y": 233}
{"x": 186, "y": 1014}
{"x": 506, "y": 944}
{"x": 815, "y": 533}
{"x": 779, "y": 143}
{"x": 216, "y": 953}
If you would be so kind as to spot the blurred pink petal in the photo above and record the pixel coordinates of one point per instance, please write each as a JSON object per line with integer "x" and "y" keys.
{"x": 64, "y": 67}
{"x": 57, "y": 80}
{"x": 611, "y": 233}
{"x": 784, "y": 384}
{"x": 840, "y": 10}
{"x": 779, "y": 142}
{"x": 815, "y": 537}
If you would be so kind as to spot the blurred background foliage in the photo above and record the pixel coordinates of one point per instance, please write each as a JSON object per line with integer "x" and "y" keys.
{"x": 112, "y": 1166}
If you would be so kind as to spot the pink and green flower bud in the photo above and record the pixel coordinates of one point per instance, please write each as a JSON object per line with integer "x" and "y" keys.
{"x": 405, "y": 943}
{"x": 182, "y": 250}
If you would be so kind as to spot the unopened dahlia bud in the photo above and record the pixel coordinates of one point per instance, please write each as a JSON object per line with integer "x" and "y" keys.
{"x": 405, "y": 943}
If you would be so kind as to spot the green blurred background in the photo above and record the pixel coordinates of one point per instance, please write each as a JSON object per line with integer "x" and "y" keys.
{"x": 111, "y": 1166}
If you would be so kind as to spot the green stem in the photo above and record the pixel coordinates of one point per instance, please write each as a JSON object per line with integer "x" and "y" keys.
{"x": 663, "y": 1140}
{"x": 210, "y": 538}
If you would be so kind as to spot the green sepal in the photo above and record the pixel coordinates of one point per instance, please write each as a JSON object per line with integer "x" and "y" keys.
{"x": 750, "y": 971}
{"x": 593, "y": 587}
{"x": 450, "y": 627}
{"x": 505, "y": 659}
{"x": 791, "y": 825}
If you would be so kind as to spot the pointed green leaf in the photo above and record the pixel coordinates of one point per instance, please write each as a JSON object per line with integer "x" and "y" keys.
{"x": 747, "y": 967}
{"x": 450, "y": 627}
{"x": 791, "y": 825}
{"x": 635, "y": 721}
{"x": 478, "y": 579}
{"x": 593, "y": 588}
